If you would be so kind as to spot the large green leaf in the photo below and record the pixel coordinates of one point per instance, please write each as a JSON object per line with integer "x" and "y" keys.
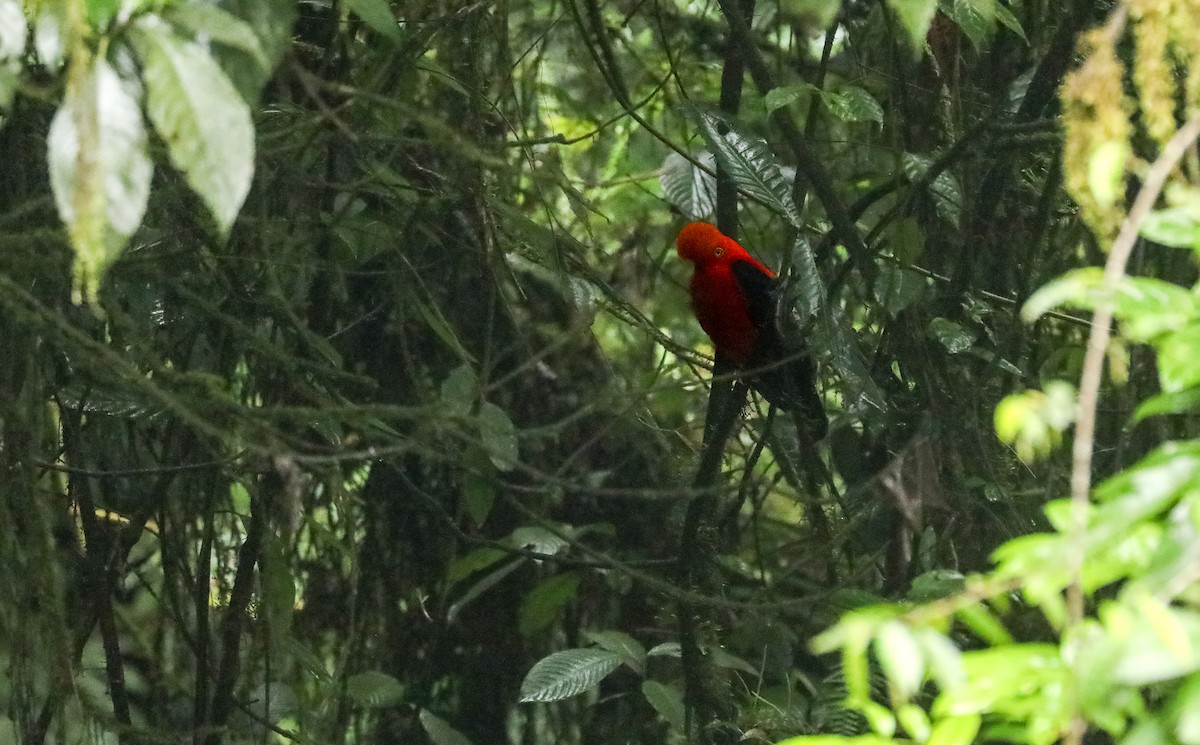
{"x": 687, "y": 187}
{"x": 545, "y": 602}
{"x": 218, "y": 25}
{"x": 915, "y": 16}
{"x": 439, "y": 730}
{"x": 750, "y": 164}
{"x": 12, "y": 45}
{"x": 99, "y": 169}
{"x": 374, "y": 689}
{"x": 199, "y": 114}
{"x": 499, "y": 436}
{"x": 567, "y": 673}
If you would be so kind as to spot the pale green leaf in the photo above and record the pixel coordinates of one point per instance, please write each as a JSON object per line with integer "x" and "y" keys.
{"x": 209, "y": 22}
{"x": 567, "y": 673}
{"x": 853, "y": 104}
{"x": 1006, "y": 17}
{"x": 374, "y": 690}
{"x": 544, "y": 604}
{"x": 959, "y": 730}
{"x": 631, "y": 651}
{"x": 786, "y": 95}
{"x": 951, "y": 335}
{"x": 1178, "y": 227}
{"x": 499, "y": 436}
{"x": 900, "y": 657}
{"x": 667, "y": 701}
{"x": 459, "y": 391}
{"x": 199, "y": 115}
{"x": 439, "y": 730}
{"x": 915, "y": 16}
{"x": 99, "y": 169}
{"x": 1106, "y": 171}
{"x": 687, "y": 187}
{"x": 12, "y": 29}
{"x": 378, "y": 15}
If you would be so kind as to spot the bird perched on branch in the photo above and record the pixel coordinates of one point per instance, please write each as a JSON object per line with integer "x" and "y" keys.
{"x": 736, "y": 299}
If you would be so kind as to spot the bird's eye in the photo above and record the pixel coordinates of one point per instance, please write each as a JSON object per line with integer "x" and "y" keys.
{"x": 718, "y": 252}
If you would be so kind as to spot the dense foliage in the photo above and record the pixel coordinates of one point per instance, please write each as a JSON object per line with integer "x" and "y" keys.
{"x": 351, "y": 393}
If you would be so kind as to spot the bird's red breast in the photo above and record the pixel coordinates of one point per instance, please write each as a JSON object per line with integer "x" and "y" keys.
{"x": 718, "y": 300}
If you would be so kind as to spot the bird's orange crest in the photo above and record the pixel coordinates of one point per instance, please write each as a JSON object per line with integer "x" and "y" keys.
{"x": 699, "y": 241}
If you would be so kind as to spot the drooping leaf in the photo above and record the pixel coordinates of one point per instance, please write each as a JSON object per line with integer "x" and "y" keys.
{"x": 853, "y": 104}
{"x": 499, "y": 436}
{"x": 378, "y": 15}
{"x": 199, "y": 114}
{"x": 667, "y": 701}
{"x": 213, "y": 23}
{"x": 439, "y": 730}
{"x": 631, "y": 651}
{"x": 750, "y": 164}
{"x": 687, "y": 187}
{"x": 915, "y": 16}
{"x": 545, "y": 602}
{"x": 567, "y": 673}
{"x": 374, "y": 689}
{"x": 945, "y": 189}
{"x": 976, "y": 18}
{"x": 99, "y": 169}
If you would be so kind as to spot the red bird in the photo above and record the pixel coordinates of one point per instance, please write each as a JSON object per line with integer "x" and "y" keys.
{"x": 735, "y": 298}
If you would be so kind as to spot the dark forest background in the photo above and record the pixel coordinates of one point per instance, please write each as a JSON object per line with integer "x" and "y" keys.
{"x": 351, "y": 392}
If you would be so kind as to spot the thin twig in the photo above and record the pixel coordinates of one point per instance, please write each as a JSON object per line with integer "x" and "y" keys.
{"x": 1097, "y": 346}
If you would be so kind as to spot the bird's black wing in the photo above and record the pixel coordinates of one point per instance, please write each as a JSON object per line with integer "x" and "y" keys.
{"x": 786, "y": 375}
{"x": 761, "y": 292}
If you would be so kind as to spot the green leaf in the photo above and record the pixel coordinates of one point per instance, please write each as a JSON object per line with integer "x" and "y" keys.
{"x": 951, "y": 335}
{"x": 499, "y": 436}
{"x": 1006, "y": 17}
{"x": 479, "y": 494}
{"x": 479, "y": 559}
{"x": 900, "y": 657}
{"x": 567, "y": 673}
{"x": 960, "y": 730}
{"x": 976, "y": 18}
{"x": 99, "y": 169}
{"x": 631, "y": 651}
{"x": 915, "y": 16}
{"x": 945, "y": 189}
{"x": 378, "y": 15}
{"x": 667, "y": 701}
{"x": 1179, "y": 359}
{"x": 786, "y": 95}
{"x": 13, "y": 30}
{"x": 1072, "y": 288}
{"x": 1168, "y": 403}
{"x": 897, "y": 289}
{"x": 537, "y": 539}
{"x": 215, "y": 24}
{"x": 750, "y": 164}
{"x": 374, "y": 690}
{"x": 1177, "y": 227}
{"x": 687, "y": 187}
{"x": 199, "y": 115}
{"x": 1106, "y": 171}
{"x": 545, "y": 602}
{"x": 853, "y": 104}
{"x": 459, "y": 391}
{"x": 439, "y": 730}
{"x": 812, "y": 15}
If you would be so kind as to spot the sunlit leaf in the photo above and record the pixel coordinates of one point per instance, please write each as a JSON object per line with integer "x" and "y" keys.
{"x": 199, "y": 115}
{"x": 915, "y": 16}
{"x": 99, "y": 169}
{"x": 374, "y": 689}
